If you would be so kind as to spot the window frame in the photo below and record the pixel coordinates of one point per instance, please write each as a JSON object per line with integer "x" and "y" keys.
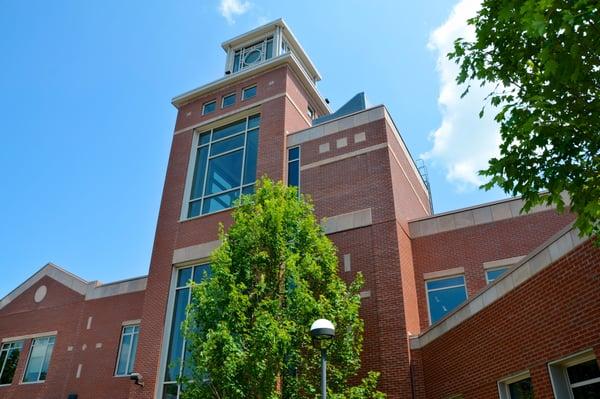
{"x": 311, "y": 113}
{"x": 504, "y": 384}
{"x": 21, "y": 344}
{"x": 254, "y": 86}
{"x": 120, "y": 348}
{"x": 173, "y": 288}
{"x": 234, "y": 95}
{"x": 427, "y": 290}
{"x": 559, "y": 378}
{"x": 187, "y": 192}
{"x": 290, "y": 161}
{"x": 204, "y": 112}
{"x": 493, "y": 269}
{"x": 33, "y": 341}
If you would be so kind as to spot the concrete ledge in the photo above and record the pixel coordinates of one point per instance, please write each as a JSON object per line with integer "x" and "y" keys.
{"x": 552, "y": 250}
{"x": 29, "y": 336}
{"x": 117, "y": 288}
{"x": 502, "y": 262}
{"x": 195, "y": 252}
{"x": 347, "y": 221}
{"x": 473, "y": 216}
{"x": 343, "y": 156}
{"x": 443, "y": 273}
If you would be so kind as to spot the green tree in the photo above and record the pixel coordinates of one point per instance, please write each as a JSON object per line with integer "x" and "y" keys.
{"x": 248, "y": 324}
{"x": 543, "y": 58}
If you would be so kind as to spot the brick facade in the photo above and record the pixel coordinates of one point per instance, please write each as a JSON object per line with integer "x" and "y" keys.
{"x": 363, "y": 180}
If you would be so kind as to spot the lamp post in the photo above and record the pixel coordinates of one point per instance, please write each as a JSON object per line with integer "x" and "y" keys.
{"x": 322, "y": 332}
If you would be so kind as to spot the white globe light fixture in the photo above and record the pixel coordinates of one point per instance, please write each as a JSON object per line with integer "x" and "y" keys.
{"x": 322, "y": 332}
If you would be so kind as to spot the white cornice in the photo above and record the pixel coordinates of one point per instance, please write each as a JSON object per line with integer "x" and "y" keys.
{"x": 283, "y": 59}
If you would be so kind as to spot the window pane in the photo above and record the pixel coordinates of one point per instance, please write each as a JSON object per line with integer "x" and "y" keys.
{"x": 229, "y": 100}
{"x": 251, "y": 156}
{"x": 124, "y": 355}
{"x": 294, "y": 173}
{"x": 494, "y": 274}
{"x": 204, "y": 138}
{"x": 447, "y": 282}
{"x": 209, "y": 107}
{"x": 444, "y": 301}
{"x": 521, "y": 389}
{"x": 227, "y": 145}
{"x": 229, "y": 130}
{"x": 194, "y": 208}
{"x": 183, "y": 276}
{"x": 248, "y": 190}
{"x": 199, "y": 172}
{"x": 133, "y": 352}
{"x": 170, "y": 391}
{"x": 253, "y": 121}
{"x": 176, "y": 336}
{"x": 583, "y": 371}
{"x": 9, "y": 357}
{"x": 46, "y": 364}
{"x": 201, "y": 273}
{"x": 36, "y": 358}
{"x": 224, "y": 173}
{"x": 269, "y": 49}
{"x": 591, "y": 391}
{"x": 293, "y": 153}
{"x": 219, "y": 202}
{"x": 236, "y": 61}
{"x": 249, "y": 92}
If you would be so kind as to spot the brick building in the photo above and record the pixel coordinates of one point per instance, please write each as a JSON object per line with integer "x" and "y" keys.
{"x": 481, "y": 302}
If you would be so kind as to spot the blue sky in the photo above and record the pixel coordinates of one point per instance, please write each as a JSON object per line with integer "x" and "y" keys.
{"x": 86, "y": 120}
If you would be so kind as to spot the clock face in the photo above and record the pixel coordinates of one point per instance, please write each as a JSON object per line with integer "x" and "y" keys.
{"x": 252, "y": 57}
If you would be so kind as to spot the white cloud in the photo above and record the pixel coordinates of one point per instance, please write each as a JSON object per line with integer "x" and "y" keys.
{"x": 463, "y": 143}
{"x": 231, "y": 8}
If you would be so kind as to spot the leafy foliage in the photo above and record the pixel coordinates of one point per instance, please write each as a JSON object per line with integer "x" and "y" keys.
{"x": 248, "y": 325}
{"x": 544, "y": 57}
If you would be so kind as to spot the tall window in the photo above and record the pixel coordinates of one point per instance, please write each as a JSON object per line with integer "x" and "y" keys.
{"x": 9, "y": 357}
{"x": 39, "y": 359}
{"x": 225, "y": 166}
{"x": 493, "y": 274}
{"x": 444, "y": 295}
{"x": 577, "y": 377}
{"x": 176, "y": 354}
{"x": 517, "y": 387}
{"x": 253, "y": 54}
{"x": 294, "y": 167}
{"x": 127, "y": 350}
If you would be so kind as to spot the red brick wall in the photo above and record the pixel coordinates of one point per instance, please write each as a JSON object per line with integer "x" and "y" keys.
{"x": 552, "y": 315}
{"x": 66, "y": 312}
{"x": 470, "y": 247}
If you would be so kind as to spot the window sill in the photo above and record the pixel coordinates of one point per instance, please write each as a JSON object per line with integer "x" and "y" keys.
{"x": 32, "y": 382}
{"x": 205, "y": 215}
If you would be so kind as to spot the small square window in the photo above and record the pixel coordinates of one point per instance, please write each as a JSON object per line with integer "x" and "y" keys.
{"x": 493, "y": 274}
{"x": 248, "y": 93}
{"x": 228, "y": 100}
{"x": 516, "y": 387}
{"x": 209, "y": 107}
{"x": 311, "y": 112}
{"x": 444, "y": 295}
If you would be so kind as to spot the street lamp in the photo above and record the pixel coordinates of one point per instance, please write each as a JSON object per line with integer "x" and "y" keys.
{"x": 322, "y": 332}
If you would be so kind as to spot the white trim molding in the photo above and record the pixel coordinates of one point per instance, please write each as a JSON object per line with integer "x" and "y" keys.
{"x": 30, "y": 336}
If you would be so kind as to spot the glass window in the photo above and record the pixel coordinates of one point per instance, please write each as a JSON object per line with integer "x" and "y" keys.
{"x": 521, "y": 389}
{"x": 39, "y": 359}
{"x": 294, "y": 167}
{"x": 225, "y": 166}
{"x": 310, "y": 112}
{"x": 251, "y": 55}
{"x": 9, "y": 357}
{"x": 209, "y": 107}
{"x": 444, "y": 295}
{"x": 176, "y": 349}
{"x": 493, "y": 274}
{"x": 584, "y": 379}
{"x": 516, "y": 387}
{"x": 228, "y": 100}
{"x": 248, "y": 92}
{"x": 127, "y": 349}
